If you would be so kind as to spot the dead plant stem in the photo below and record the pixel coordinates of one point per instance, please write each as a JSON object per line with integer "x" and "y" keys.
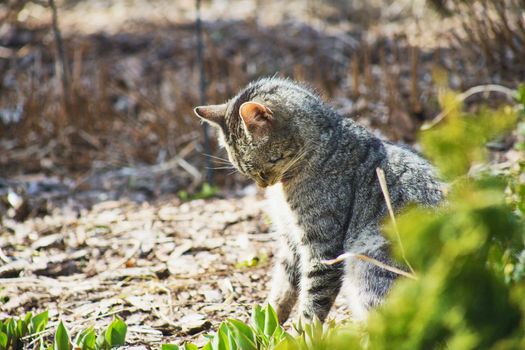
{"x": 386, "y": 194}
{"x": 61, "y": 57}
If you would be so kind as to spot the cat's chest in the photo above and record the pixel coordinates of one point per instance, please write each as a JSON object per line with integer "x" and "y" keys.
{"x": 282, "y": 216}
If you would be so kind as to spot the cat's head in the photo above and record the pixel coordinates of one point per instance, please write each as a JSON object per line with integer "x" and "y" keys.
{"x": 257, "y": 129}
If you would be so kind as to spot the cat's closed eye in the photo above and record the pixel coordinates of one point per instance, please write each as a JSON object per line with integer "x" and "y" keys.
{"x": 276, "y": 159}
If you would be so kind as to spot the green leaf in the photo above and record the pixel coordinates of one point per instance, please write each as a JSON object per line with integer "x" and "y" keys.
{"x": 244, "y": 336}
{"x": 115, "y": 335}
{"x": 169, "y": 347}
{"x": 27, "y": 321}
{"x": 270, "y": 321}
{"x": 230, "y": 338}
{"x": 10, "y": 328}
{"x": 242, "y": 328}
{"x": 3, "y": 341}
{"x": 258, "y": 319}
{"x": 286, "y": 344}
{"x": 20, "y": 329}
{"x": 190, "y": 346}
{"x": 61, "y": 338}
{"x": 39, "y": 322}
{"x": 223, "y": 340}
{"x": 520, "y": 94}
{"x": 101, "y": 343}
{"x": 87, "y": 339}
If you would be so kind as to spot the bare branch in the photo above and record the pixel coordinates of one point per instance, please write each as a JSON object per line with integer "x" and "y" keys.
{"x": 61, "y": 56}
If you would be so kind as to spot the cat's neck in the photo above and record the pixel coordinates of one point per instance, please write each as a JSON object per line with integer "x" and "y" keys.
{"x": 342, "y": 143}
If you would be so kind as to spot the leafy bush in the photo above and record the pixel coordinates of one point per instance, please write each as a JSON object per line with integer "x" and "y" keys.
{"x": 468, "y": 254}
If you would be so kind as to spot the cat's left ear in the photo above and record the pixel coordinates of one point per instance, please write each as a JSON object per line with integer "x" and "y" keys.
{"x": 213, "y": 114}
{"x": 256, "y": 117}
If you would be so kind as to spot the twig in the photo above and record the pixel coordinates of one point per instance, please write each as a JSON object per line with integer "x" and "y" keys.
{"x": 162, "y": 316}
{"x": 386, "y": 194}
{"x": 170, "y": 299}
{"x": 202, "y": 85}
{"x": 470, "y": 92}
{"x": 61, "y": 56}
{"x": 378, "y": 263}
{"x": 4, "y": 257}
{"x": 129, "y": 255}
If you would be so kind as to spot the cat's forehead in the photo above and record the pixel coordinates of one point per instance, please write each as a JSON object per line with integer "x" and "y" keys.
{"x": 279, "y": 95}
{"x": 265, "y": 91}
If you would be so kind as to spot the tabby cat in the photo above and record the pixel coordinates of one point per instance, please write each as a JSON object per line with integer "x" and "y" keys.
{"x": 324, "y": 196}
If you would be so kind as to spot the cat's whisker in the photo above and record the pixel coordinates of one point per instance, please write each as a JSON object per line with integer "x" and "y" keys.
{"x": 212, "y": 156}
{"x": 221, "y": 167}
{"x": 222, "y": 163}
{"x": 232, "y": 172}
{"x": 296, "y": 159}
{"x": 217, "y": 158}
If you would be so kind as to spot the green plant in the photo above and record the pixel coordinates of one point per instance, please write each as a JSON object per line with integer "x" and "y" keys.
{"x": 206, "y": 191}
{"x": 12, "y": 331}
{"x": 466, "y": 296}
{"x": 263, "y": 332}
{"x": 18, "y": 334}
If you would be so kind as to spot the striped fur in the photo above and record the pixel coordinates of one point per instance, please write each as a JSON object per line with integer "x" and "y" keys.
{"x": 323, "y": 195}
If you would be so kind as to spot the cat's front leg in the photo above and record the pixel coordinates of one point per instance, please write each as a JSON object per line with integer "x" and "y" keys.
{"x": 319, "y": 283}
{"x": 285, "y": 281}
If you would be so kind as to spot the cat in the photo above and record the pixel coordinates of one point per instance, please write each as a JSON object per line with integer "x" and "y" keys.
{"x": 324, "y": 195}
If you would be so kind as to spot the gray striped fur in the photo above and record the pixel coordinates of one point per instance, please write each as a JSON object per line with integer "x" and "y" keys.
{"x": 323, "y": 194}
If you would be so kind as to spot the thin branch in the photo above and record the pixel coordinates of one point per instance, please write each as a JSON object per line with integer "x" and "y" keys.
{"x": 470, "y": 92}
{"x": 202, "y": 85}
{"x": 61, "y": 56}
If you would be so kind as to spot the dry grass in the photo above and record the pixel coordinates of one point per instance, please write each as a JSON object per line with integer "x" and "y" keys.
{"x": 495, "y": 32}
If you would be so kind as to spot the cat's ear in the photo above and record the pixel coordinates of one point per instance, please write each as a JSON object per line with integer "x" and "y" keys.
{"x": 257, "y": 117}
{"x": 213, "y": 114}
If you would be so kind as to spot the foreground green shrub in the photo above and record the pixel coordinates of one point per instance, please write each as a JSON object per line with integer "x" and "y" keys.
{"x": 468, "y": 255}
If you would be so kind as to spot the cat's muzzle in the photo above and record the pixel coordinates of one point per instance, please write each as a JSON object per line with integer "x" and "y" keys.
{"x": 265, "y": 180}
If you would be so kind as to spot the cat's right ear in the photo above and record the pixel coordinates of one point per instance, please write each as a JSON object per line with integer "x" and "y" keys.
{"x": 213, "y": 114}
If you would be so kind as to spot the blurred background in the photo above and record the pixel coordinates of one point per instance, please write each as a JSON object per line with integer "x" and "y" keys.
{"x": 96, "y": 96}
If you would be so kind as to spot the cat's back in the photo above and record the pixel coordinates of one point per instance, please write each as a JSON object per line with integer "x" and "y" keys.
{"x": 411, "y": 177}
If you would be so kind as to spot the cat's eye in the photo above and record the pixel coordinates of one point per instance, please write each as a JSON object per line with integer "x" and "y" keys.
{"x": 276, "y": 159}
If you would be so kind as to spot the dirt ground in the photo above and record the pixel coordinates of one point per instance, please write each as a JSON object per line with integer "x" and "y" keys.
{"x": 172, "y": 270}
